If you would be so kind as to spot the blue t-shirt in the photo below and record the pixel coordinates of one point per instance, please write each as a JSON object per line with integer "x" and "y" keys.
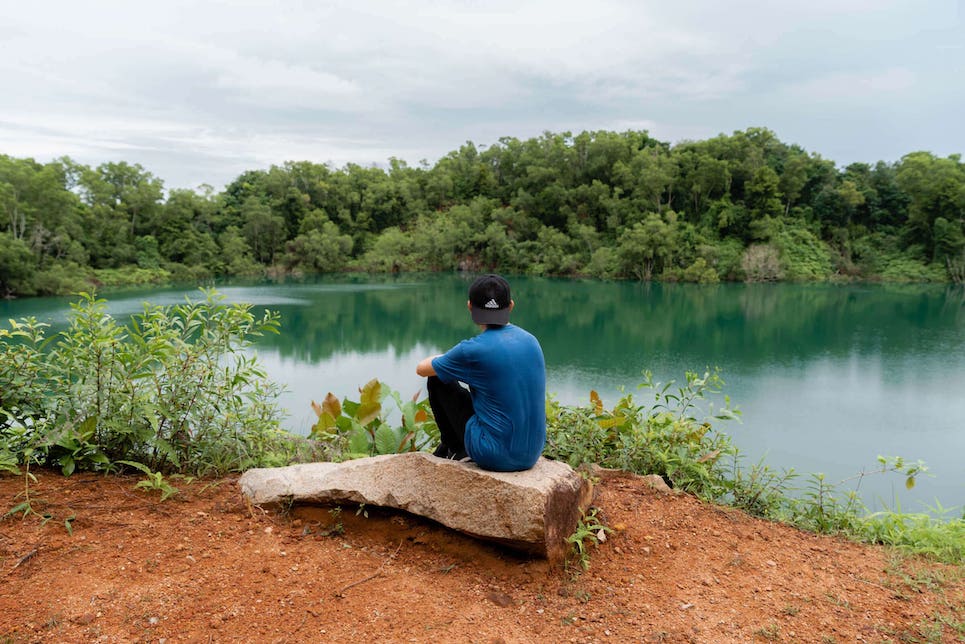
{"x": 506, "y": 374}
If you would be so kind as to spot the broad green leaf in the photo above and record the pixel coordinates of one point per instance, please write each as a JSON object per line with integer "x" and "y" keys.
{"x": 368, "y": 412}
{"x": 86, "y": 429}
{"x": 370, "y": 403}
{"x": 323, "y": 429}
{"x": 612, "y": 421}
{"x": 350, "y": 407}
{"x": 326, "y": 422}
{"x": 137, "y": 466}
{"x": 386, "y": 440}
{"x": 358, "y": 442}
{"x": 371, "y": 392}
{"x": 344, "y": 424}
{"x": 67, "y": 464}
{"x": 408, "y": 414}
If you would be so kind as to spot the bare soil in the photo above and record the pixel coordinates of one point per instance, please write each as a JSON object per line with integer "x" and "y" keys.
{"x": 203, "y": 566}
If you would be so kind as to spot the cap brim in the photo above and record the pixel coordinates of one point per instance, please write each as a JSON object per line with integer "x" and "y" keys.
{"x": 490, "y": 316}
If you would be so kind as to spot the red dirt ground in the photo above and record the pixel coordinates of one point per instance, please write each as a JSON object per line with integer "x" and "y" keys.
{"x": 203, "y": 567}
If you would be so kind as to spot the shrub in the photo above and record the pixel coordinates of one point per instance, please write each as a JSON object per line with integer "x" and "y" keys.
{"x": 761, "y": 263}
{"x": 130, "y": 275}
{"x": 674, "y": 438}
{"x": 700, "y": 273}
{"x": 664, "y": 438}
{"x": 909, "y": 269}
{"x": 803, "y": 256}
{"x": 353, "y": 429}
{"x": 173, "y": 390}
{"x": 604, "y": 263}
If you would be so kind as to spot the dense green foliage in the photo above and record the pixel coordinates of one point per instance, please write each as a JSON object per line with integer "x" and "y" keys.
{"x": 172, "y": 391}
{"x": 602, "y": 204}
{"x": 673, "y": 436}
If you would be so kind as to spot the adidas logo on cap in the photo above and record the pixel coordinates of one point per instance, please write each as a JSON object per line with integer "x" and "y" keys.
{"x": 492, "y": 304}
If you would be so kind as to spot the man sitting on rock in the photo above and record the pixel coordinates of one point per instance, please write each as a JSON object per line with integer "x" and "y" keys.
{"x": 500, "y": 421}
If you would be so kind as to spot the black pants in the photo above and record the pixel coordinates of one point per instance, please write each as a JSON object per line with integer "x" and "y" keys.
{"x": 452, "y": 407}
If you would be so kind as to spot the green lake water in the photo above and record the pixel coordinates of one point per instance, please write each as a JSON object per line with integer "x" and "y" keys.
{"x": 827, "y": 376}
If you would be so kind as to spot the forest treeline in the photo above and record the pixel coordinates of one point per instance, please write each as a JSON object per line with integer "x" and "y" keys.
{"x": 602, "y": 204}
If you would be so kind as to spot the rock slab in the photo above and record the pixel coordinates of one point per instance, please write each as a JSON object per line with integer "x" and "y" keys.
{"x": 534, "y": 510}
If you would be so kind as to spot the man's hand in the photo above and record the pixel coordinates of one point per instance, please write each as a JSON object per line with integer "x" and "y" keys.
{"x": 425, "y": 369}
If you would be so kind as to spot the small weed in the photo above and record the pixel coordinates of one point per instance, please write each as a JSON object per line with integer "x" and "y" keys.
{"x": 737, "y": 561}
{"x": 589, "y": 529}
{"x": 837, "y": 601}
{"x": 790, "y": 611}
{"x": 153, "y": 481}
{"x": 286, "y": 504}
{"x": 212, "y": 485}
{"x": 24, "y": 508}
{"x": 912, "y": 578}
{"x": 953, "y": 619}
{"x": 771, "y": 632}
{"x": 927, "y": 631}
{"x": 337, "y": 528}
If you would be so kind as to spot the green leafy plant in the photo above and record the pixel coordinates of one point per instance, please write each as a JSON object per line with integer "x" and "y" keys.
{"x": 72, "y": 446}
{"x": 25, "y": 507}
{"x": 674, "y": 437}
{"x": 671, "y": 437}
{"x": 337, "y": 527}
{"x": 8, "y": 461}
{"x": 153, "y": 481}
{"x": 22, "y": 388}
{"x": 174, "y": 389}
{"x": 364, "y": 427}
{"x": 590, "y": 532}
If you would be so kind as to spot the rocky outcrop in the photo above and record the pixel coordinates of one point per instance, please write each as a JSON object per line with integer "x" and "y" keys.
{"x": 534, "y": 510}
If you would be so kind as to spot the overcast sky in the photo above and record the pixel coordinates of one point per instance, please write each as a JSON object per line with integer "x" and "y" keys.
{"x": 198, "y": 91}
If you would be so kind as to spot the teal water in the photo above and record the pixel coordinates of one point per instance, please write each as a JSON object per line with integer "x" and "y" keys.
{"x": 827, "y": 376}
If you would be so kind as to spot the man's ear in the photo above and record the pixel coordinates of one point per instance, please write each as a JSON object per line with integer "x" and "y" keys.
{"x": 512, "y": 304}
{"x": 469, "y": 305}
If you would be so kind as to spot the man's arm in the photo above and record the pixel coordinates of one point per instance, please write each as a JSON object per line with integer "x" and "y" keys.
{"x": 425, "y": 369}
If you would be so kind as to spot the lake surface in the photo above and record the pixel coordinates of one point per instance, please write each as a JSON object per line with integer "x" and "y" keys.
{"x": 827, "y": 377}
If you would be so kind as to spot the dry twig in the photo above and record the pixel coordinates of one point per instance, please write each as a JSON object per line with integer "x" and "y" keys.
{"x": 377, "y": 573}
{"x": 27, "y": 557}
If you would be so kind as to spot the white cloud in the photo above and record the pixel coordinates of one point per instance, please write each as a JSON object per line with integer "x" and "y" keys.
{"x": 213, "y": 85}
{"x": 846, "y": 86}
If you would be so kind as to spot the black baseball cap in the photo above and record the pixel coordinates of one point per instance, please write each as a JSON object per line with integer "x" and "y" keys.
{"x": 490, "y": 299}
